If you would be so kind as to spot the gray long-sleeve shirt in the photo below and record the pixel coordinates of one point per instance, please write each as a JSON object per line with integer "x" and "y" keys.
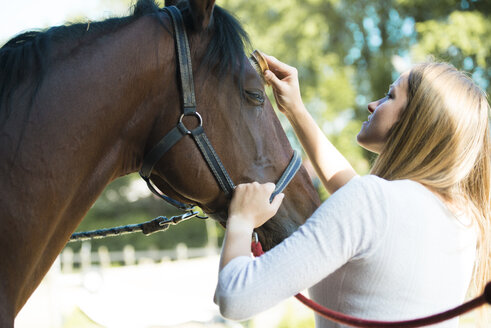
{"x": 376, "y": 249}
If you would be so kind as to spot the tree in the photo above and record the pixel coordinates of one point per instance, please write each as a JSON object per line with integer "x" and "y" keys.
{"x": 348, "y": 52}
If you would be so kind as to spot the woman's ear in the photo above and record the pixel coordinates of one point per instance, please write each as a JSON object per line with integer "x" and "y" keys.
{"x": 202, "y": 12}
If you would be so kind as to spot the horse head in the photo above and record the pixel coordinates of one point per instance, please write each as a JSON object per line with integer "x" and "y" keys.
{"x": 239, "y": 121}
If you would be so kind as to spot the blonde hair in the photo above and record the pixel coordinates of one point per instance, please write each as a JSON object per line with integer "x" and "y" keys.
{"x": 441, "y": 140}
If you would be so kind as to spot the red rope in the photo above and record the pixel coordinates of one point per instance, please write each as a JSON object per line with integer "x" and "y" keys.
{"x": 257, "y": 251}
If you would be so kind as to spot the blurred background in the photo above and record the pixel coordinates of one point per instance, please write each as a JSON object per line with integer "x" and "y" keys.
{"x": 347, "y": 54}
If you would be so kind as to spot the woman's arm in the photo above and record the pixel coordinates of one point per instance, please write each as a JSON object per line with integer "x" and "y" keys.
{"x": 331, "y": 166}
{"x": 335, "y": 233}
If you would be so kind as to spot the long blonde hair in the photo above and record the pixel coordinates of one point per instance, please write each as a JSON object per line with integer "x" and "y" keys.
{"x": 441, "y": 140}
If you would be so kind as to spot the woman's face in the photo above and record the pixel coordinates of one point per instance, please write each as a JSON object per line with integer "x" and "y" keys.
{"x": 383, "y": 114}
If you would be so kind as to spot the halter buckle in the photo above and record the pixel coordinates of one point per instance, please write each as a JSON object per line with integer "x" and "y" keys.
{"x": 255, "y": 238}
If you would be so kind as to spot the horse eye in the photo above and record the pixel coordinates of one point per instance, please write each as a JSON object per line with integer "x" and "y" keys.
{"x": 255, "y": 97}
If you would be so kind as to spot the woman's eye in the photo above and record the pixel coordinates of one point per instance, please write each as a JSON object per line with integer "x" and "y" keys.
{"x": 255, "y": 97}
{"x": 389, "y": 95}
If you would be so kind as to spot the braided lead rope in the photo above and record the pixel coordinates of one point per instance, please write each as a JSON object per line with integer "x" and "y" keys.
{"x": 485, "y": 297}
{"x": 160, "y": 223}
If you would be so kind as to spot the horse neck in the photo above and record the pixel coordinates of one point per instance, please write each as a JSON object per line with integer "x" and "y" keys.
{"x": 90, "y": 122}
{"x": 110, "y": 92}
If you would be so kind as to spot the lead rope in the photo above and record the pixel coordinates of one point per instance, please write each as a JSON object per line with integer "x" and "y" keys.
{"x": 160, "y": 223}
{"x": 257, "y": 250}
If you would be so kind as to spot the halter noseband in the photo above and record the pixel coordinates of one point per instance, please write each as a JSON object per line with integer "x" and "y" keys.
{"x": 198, "y": 134}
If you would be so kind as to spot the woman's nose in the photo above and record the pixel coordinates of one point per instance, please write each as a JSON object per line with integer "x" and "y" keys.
{"x": 372, "y": 106}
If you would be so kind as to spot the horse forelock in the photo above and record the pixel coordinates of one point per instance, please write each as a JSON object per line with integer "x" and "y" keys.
{"x": 227, "y": 47}
{"x": 226, "y": 50}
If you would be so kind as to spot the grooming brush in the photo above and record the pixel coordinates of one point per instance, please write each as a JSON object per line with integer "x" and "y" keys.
{"x": 259, "y": 63}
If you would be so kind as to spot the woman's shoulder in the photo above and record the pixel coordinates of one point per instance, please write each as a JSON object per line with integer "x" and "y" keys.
{"x": 376, "y": 183}
{"x": 361, "y": 193}
{"x": 380, "y": 194}
{"x": 396, "y": 196}
{"x": 366, "y": 182}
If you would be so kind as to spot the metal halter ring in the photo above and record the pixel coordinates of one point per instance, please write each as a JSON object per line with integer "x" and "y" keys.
{"x": 196, "y": 114}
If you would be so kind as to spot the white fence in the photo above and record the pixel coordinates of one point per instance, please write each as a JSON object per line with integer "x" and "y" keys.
{"x": 148, "y": 294}
{"x": 86, "y": 258}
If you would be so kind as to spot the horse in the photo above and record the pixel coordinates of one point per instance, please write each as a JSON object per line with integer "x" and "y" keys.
{"x": 81, "y": 105}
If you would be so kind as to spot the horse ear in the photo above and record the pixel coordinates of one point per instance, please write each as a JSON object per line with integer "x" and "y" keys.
{"x": 168, "y": 3}
{"x": 202, "y": 12}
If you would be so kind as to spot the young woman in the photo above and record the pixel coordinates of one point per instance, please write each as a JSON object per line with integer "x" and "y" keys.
{"x": 397, "y": 244}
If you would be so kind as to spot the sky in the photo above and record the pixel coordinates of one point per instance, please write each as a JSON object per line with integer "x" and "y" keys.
{"x": 17, "y": 16}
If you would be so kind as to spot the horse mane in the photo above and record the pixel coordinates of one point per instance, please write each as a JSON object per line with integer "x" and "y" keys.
{"x": 26, "y": 55}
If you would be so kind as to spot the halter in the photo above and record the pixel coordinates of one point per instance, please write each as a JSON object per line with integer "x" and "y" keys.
{"x": 198, "y": 134}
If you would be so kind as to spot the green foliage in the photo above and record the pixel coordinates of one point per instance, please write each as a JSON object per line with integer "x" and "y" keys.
{"x": 462, "y": 39}
{"x": 346, "y": 51}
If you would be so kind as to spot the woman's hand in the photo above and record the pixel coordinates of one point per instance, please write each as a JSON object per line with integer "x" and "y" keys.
{"x": 331, "y": 166}
{"x": 284, "y": 80}
{"x": 249, "y": 209}
{"x": 250, "y": 204}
